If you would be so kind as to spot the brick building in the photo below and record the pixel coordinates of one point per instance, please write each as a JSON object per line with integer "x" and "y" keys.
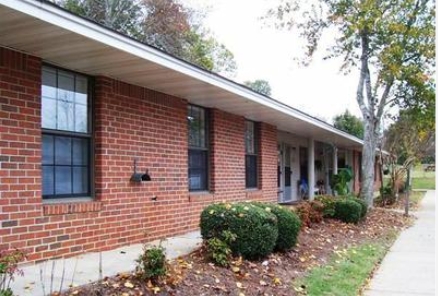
{"x": 106, "y": 142}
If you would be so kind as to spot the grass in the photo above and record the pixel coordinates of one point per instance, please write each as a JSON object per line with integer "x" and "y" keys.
{"x": 423, "y": 183}
{"x": 420, "y": 179}
{"x": 347, "y": 271}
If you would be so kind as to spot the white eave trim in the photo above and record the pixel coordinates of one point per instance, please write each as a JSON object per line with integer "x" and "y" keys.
{"x": 49, "y": 13}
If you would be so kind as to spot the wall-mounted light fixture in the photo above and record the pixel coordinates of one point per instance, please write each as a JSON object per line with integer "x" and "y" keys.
{"x": 139, "y": 177}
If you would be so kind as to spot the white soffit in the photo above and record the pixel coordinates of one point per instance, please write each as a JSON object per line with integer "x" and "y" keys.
{"x": 59, "y": 37}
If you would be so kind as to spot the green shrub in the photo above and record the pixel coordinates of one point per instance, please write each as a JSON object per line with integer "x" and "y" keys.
{"x": 152, "y": 263}
{"x": 289, "y": 225}
{"x": 363, "y": 205}
{"x": 255, "y": 228}
{"x": 329, "y": 205}
{"x": 218, "y": 250}
{"x": 347, "y": 210}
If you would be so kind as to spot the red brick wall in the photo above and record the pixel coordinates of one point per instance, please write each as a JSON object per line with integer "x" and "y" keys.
{"x": 129, "y": 122}
{"x": 20, "y": 156}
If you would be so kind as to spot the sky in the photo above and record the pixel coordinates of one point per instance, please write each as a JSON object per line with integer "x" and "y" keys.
{"x": 263, "y": 52}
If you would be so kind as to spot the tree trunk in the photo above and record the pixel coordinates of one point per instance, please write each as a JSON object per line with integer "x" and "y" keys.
{"x": 368, "y": 161}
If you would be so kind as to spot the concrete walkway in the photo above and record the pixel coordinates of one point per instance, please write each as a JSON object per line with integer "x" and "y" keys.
{"x": 409, "y": 267}
{"x": 39, "y": 279}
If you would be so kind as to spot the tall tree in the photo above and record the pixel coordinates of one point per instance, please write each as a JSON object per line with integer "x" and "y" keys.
{"x": 390, "y": 42}
{"x": 260, "y": 86}
{"x": 165, "y": 24}
{"x": 349, "y": 123}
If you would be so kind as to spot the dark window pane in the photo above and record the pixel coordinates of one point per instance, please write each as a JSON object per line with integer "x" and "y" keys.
{"x": 197, "y": 159}
{"x": 63, "y": 151}
{"x": 48, "y": 180}
{"x": 48, "y": 150}
{"x": 80, "y": 180}
{"x": 80, "y": 151}
{"x": 251, "y": 171}
{"x": 198, "y": 171}
{"x": 197, "y": 179}
{"x": 63, "y": 180}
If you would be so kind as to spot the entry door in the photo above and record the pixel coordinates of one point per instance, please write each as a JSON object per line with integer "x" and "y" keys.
{"x": 287, "y": 174}
{"x": 284, "y": 175}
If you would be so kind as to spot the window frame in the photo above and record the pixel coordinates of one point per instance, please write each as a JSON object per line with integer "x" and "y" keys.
{"x": 252, "y": 156}
{"x": 196, "y": 149}
{"x": 89, "y": 135}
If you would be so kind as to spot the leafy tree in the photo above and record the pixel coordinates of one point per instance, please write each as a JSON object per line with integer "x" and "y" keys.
{"x": 407, "y": 140}
{"x": 391, "y": 43}
{"x": 260, "y": 86}
{"x": 165, "y": 24}
{"x": 122, "y": 16}
{"x": 349, "y": 123}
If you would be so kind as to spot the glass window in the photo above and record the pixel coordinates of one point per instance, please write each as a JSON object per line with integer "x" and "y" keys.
{"x": 66, "y": 136}
{"x": 198, "y": 148}
{"x": 251, "y": 145}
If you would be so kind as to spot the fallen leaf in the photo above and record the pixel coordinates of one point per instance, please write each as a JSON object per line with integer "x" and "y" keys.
{"x": 276, "y": 281}
{"x": 263, "y": 283}
{"x": 129, "y": 285}
{"x": 156, "y": 290}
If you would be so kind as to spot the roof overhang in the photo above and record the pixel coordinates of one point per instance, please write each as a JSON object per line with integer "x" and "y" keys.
{"x": 58, "y": 37}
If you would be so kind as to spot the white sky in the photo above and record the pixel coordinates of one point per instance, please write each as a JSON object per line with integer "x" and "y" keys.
{"x": 267, "y": 53}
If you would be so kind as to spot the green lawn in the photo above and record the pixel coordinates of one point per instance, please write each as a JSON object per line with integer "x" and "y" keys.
{"x": 423, "y": 183}
{"x": 347, "y": 271}
{"x": 422, "y": 179}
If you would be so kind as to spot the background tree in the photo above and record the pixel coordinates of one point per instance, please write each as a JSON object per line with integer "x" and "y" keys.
{"x": 407, "y": 140}
{"x": 349, "y": 123}
{"x": 391, "y": 43}
{"x": 260, "y": 86}
{"x": 165, "y": 24}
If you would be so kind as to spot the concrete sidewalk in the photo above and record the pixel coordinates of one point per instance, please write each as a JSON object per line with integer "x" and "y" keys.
{"x": 84, "y": 269}
{"x": 409, "y": 267}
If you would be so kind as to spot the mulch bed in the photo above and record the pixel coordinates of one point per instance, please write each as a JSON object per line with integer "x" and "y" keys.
{"x": 192, "y": 275}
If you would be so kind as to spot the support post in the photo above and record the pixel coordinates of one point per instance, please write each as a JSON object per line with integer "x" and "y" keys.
{"x": 335, "y": 160}
{"x": 311, "y": 168}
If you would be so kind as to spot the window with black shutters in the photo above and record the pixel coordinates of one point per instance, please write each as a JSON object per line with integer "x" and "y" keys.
{"x": 66, "y": 134}
{"x": 251, "y": 145}
{"x": 198, "y": 148}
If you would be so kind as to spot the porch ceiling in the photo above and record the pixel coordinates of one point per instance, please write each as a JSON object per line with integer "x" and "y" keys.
{"x": 58, "y": 37}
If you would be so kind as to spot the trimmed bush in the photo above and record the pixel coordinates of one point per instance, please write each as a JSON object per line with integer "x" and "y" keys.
{"x": 255, "y": 229}
{"x": 329, "y": 205}
{"x": 347, "y": 210}
{"x": 363, "y": 205}
{"x": 288, "y": 225}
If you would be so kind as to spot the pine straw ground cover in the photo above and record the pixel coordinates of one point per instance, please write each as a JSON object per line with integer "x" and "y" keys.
{"x": 276, "y": 275}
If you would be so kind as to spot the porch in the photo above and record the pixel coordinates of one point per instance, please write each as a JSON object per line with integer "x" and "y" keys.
{"x": 305, "y": 167}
